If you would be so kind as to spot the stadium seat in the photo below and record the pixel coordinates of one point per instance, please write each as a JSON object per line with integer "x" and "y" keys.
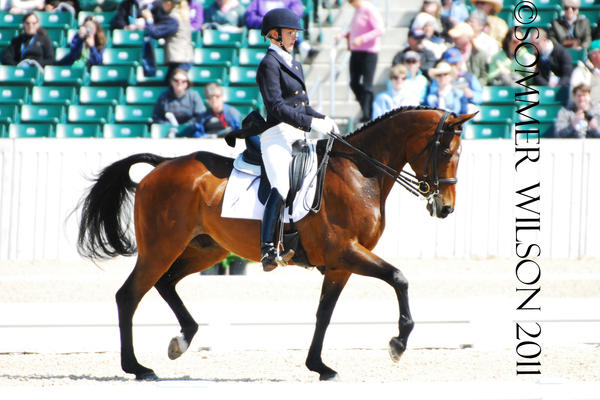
{"x": 50, "y": 113}
{"x": 249, "y": 96}
{"x": 14, "y": 94}
{"x": 95, "y": 114}
{"x": 255, "y": 39}
{"x": 541, "y": 112}
{"x": 157, "y": 80}
{"x": 160, "y": 131}
{"x": 216, "y": 38}
{"x": 242, "y": 75}
{"x": 8, "y": 113}
{"x": 60, "y": 53}
{"x": 125, "y": 131}
{"x": 215, "y": 57}
{"x": 122, "y": 56}
{"x": 197, "y": 38}
{"x": 63, "y": 95}
{"x": 486, "y": 131}
{"x": 12, "y": 75}
{"x": 131, "y": 114}
{"x": 159, "y": 55}
{"x": 112, "y": 75}
{"x": 57, "y": 37}
{"x": 143, "y": 95}
{"x": 124, "y": 38}
{"x": 250, "y": 57}
{"x": 31, "y": 130}
{"x": 111, "y": 95}
{"x": 591, "y": 13}
{"x": 103, "y": 18}
{"x": 55, "y": 20}
{"x": 8, "y": 20}
{"x": 499, "y": 114}
{"x": 552, "y": 95}
{"x": 6, "y": 35}
{"x": 78, "y": 130}
{"x": 498, "y": 95}
{"x": 55, "y": 75}
{"x": 203, "y": 75}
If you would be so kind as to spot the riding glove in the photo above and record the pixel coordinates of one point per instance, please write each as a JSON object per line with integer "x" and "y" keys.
{"x": 323, "y": 125}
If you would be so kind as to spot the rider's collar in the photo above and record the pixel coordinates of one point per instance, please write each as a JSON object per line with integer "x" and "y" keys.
{"x": 287, "y": 57}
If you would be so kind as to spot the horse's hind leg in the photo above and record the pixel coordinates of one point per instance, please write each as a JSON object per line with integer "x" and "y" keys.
{"x": 200, "y": 255}
{"x": 333, "y": 284}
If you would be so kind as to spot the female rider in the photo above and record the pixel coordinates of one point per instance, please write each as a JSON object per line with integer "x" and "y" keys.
{"x": 281, "y": 83}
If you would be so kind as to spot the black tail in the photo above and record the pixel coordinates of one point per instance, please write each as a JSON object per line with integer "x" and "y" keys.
{"x": 105, "y": 210}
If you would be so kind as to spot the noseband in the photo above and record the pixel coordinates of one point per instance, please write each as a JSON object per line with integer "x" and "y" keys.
{"x": 429, "y": 185}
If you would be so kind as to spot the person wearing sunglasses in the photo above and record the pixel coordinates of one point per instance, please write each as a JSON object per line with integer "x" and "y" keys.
{"x": 32, "y": 47}
{"x": 571, "y": 29}
{"x": 398, "y": 93}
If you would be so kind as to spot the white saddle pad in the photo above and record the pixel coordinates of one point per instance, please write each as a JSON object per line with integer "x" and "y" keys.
{"x": 241, "y": 194}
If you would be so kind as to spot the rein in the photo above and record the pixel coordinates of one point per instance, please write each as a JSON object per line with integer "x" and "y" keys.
{"x": 425, "y": 188}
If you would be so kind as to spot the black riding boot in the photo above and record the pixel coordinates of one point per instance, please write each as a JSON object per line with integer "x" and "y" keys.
{"x": 271, "y": 219}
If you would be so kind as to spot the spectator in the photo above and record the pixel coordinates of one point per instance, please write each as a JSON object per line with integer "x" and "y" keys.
{"x": 554, "y": 66}
{"x": 220, "y": 118}
{"x": 32, "y": 47}
{"x": 432, "y": 41}
{"x": 430, "y": 13}
{"x": 506, "y": 67}
{"x": 363, "y": 37}
{"x": 397, "y": 94}
{"x": 415, "y": 80}
{"x": 87, "y": 45}
{"x": 225, "y": 15}
{"x": 588, "y": 72}
{"x": 178, "y": 105}
{"x": 196, "y": 14}
{"x": 497, "y": 27}
{"x": 170, "y": 19}
{"x": 129, "y": 16}
{"x": 580, "y": 119}
{"x": 453, "y": 13}
{"x": 463, "y": 79}
{"x": 26, "y": 6}
{"x": 571, "y": 29}
{"x": 475, "y": 61}
{"x": 483, "y": 42}
{"x": 415, "y": 43}
{"x": 442, "y": 94}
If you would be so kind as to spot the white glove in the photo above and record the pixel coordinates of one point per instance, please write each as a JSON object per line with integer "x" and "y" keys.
{"x": 336, "y": 129}
{"x": 322, "y": 125}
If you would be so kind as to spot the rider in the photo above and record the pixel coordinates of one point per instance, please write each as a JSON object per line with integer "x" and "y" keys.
{"x": 281, "y": 83}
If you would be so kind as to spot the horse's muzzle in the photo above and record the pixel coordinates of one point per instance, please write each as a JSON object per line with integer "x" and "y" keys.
{"x": 436, "y": 207}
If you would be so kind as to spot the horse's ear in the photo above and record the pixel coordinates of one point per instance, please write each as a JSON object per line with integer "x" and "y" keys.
{"x": 457, "y": 122}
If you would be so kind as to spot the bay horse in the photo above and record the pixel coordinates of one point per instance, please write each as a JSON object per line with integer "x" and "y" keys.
{"x": 179, "y": 229}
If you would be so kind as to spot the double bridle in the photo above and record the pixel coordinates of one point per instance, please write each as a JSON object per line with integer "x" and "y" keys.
{"x": 426, "y": 187}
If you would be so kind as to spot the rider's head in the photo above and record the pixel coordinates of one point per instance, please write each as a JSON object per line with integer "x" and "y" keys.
{"x": 280, "y": 26}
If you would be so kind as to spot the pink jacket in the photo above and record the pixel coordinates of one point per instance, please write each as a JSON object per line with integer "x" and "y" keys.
{"x": 367, "y": 25}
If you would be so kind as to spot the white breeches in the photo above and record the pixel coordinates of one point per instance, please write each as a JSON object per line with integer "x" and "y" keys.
{"x": 276, "y": 148}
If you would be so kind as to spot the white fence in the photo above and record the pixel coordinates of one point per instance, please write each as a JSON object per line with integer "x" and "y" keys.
{"x": 41, "y": 181}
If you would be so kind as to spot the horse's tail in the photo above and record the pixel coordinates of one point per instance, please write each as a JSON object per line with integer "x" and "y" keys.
{"x": 105, "y": 210}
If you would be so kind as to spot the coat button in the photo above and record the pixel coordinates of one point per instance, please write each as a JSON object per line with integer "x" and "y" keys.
{"x": 296, "y": 92}
{"x": 303, "y": 92}
{"x": 302, "y": 103}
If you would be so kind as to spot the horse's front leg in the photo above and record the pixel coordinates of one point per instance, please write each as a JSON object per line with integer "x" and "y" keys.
{"x": 333, "y": 284}
{"x": 360, "y": 260}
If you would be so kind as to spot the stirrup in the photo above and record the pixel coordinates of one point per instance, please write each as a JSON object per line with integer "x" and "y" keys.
{"x": 271, "y": 259}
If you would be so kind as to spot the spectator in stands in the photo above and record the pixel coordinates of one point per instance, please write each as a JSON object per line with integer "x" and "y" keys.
{"x": 580, "y": 119}
{"x": 554, "y": 66}
{"x": 475, "y": 61}
{"x": 220, "y": 118}
{"x": 430, "y": 13}
{"x": 363, "y": 37}
{"x": 571, "y": 29}
{"x": 179, "y": 105}
{"x": 71, "y": 6}
{"x": 453, "y": 13}
{"x": 497, "y": 27}
{"x": 463, "y": 79}
{"x": 588, "y": 72}
{"x": 415, "y": 80}
{"x": 506, "y": 67}
{"x": 415, "y": 43}
{"x": 432, "y": 40}
{"x": 170, "y": 19}
{"x": 226, "y": 15}
{"x": 32, "y": 47}
{"x": 26, "y": 6}
{"x": 87, "y": 45}
{"x": 442, "y": 94}
{"x": 129, "y": 16}
{"x": 483, "y": 42}
{"x": 396, "y": 95}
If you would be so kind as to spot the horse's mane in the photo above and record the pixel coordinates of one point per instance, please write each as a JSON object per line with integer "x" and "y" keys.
{"x": 390, "y": 114}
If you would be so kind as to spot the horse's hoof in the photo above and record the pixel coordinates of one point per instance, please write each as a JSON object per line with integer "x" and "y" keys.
{"x": 148, "y": 375}
{"x": 177, "y": 347}
{"x": 396, "y": 349}
{"x": 329, "y": 376}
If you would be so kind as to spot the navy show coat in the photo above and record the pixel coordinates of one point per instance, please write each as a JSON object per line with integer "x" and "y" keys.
{"x": 284, "y": 92}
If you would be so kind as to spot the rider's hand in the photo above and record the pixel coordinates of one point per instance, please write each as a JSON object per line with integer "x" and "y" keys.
{"x": 322, "y": 125}
{"x": 336, "y": 129}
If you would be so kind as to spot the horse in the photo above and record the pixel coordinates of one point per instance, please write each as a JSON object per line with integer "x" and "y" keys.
{"x": 179, "y": 229}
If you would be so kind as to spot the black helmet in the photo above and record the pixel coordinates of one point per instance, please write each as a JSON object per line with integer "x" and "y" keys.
{"x": 280, "y": 18}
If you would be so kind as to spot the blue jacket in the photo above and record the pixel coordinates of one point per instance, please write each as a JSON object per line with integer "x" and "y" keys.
{"x": 75, "y": 53}
{"x": 163, "y": 25}
{"x": 284, "y": 92}
{"x": 232, "y": 117}
{"x": 455, "y": 100}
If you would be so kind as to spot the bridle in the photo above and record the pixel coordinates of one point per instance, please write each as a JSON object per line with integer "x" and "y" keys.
{"x": 428, "y": 186}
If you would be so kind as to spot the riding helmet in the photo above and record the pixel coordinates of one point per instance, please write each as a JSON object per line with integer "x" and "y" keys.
{"x": 280, "y": 18}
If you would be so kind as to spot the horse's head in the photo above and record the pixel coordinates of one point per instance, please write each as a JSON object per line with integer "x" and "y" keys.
{"x": 433, "y": 156}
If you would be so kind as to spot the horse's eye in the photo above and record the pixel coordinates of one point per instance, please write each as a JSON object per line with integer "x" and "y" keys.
{"x": 446, "y": 154}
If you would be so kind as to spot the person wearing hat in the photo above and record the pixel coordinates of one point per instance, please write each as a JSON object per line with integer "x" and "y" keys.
{"x": 415, "y": 44}
{"x": 289, "y": 116}
{"x": 398, "y": 94}
{"x": 497, "y": 27}
{"x": 463, "y": 79}
{"x": 475, "y": 61}
{"x": 442, "y": 94}
{"x": 554, "y": 65}
{"x": 415, "y": 80}
{"x": 571, "y": 29}
{"x": 170, "y": 19}
{"x": 588, "y": 71}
